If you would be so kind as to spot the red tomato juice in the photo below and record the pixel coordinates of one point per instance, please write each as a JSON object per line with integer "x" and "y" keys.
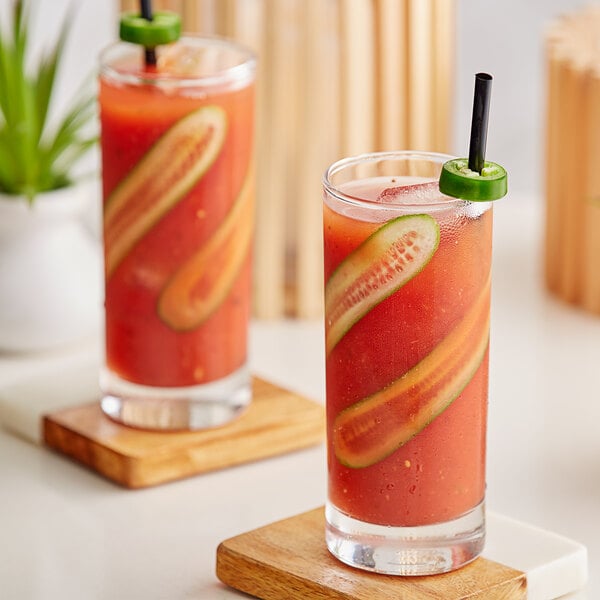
{"x": 439, "y": 474}
{"x": 140, "y": 347}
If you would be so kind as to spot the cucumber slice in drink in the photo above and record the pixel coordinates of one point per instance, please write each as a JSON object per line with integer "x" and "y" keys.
{"x": 164, "y": 28}
{"x": 162, "y": 177}
{"x": 384, "y": 262}
{"x": 372, "y": 429}
{"x": 457, "y": 180}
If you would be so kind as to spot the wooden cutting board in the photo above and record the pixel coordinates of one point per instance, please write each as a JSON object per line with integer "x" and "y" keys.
{"x": 277, "y": 421}
{"x": 288, "y": 560}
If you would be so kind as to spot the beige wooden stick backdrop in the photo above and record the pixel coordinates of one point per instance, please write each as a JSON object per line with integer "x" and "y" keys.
{"x": 335, "y": 78}
{"x": 572, "y": 241}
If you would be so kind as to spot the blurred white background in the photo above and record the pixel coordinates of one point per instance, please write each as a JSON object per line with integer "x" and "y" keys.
{"x": 504, "y": 38}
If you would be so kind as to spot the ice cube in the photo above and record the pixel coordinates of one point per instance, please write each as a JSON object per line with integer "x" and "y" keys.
{"x": 181, "y": 60}
{"x": 418, "y": 193}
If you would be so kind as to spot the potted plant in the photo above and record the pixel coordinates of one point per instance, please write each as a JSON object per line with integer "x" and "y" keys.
{"x": 49, "y": 260}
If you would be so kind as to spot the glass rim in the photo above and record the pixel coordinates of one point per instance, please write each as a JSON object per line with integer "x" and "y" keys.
{"x": 372, "y": 157}
{"x": 243, "y": 72}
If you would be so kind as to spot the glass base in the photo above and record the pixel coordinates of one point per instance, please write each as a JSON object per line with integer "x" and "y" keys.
{"x": 424, "y": 550}
{"x": 176, "y": 408}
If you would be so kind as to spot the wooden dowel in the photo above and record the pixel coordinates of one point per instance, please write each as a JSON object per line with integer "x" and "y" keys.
{"x": 442, "y": 73}
{"x": 419, "y": 74}
{"x": 391, "y": 68}
{"x": 251, "y": 23}
{"x": 130, "y": 6}
{"x": 553, "y": 172}
{"x": 269, "y": 264}
{"x": 225, "y": 17}
{"x": 358, "y": 76}
{"x": 192, "y": 16}
{"x": 320, "y": 113}
{"x": 591, "y": 292}
{"x": 571, "y": 219}
{"x": 290, "y": 134}
{"x": 591, "y": 254}
{"x": 172, "y": 5}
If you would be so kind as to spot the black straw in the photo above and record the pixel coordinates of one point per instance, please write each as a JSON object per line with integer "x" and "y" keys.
{"x": 479, "y": 122}
{"x": 146, "y": 12}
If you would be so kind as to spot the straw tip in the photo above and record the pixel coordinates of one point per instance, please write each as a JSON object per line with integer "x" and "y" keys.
{"x": 479, "y": 122}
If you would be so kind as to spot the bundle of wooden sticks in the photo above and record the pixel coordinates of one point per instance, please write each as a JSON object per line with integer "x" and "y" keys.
{"x": 336, "y": 78}
{"x": 572, "y": 248}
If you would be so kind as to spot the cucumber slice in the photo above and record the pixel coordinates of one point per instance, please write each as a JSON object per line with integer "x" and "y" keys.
{"x": 367, "y": 432}
{"x": 458, "y": 181}
{"x": 162, "y": 177}
{"x": 164, "y": 28}
{"x": 204, "y": 281}
{"x": 383, "y": 263}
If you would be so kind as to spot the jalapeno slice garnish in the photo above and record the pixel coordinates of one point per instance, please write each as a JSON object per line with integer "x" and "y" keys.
{"x": 164, "y": 28}
{"x": 457, "y": 180}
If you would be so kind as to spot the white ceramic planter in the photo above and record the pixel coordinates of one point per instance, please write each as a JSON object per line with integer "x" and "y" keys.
{"x": 50, "y": 270}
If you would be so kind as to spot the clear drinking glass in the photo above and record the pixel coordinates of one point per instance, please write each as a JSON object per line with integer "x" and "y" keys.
{"x": 407, "y": 299}
{"x": 178, "y": 183}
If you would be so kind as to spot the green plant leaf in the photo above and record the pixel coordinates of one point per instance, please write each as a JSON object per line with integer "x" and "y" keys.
{"x": 4, "y": 104}
{"x": 17, "y": 101}
{"x": 74, "y": 122}
{"x": 6, "y": 76}
{"x": 46, "y": 77}
{"x": 20, "y": 32}
{"x": 7, "y": 165}
{"x": 33, "y": 158}
{"x": 72, "y": 153}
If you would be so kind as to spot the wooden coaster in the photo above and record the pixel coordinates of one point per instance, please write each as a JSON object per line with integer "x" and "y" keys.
{"x": 289, "y": 560}
{"x": 277, "y": 421}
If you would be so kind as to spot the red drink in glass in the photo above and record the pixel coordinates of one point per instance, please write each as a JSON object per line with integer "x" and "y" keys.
{"x": 177, "y": 146}
{"x": 407, "y": 274}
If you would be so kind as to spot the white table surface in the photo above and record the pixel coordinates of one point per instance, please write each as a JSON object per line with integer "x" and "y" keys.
{"x": 66, "y": 533}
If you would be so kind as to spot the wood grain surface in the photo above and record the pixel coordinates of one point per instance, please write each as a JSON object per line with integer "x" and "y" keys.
{"x": 288, "y": 560}
{"x": 277, "y": 421}
{"x": 572, "y": 188}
